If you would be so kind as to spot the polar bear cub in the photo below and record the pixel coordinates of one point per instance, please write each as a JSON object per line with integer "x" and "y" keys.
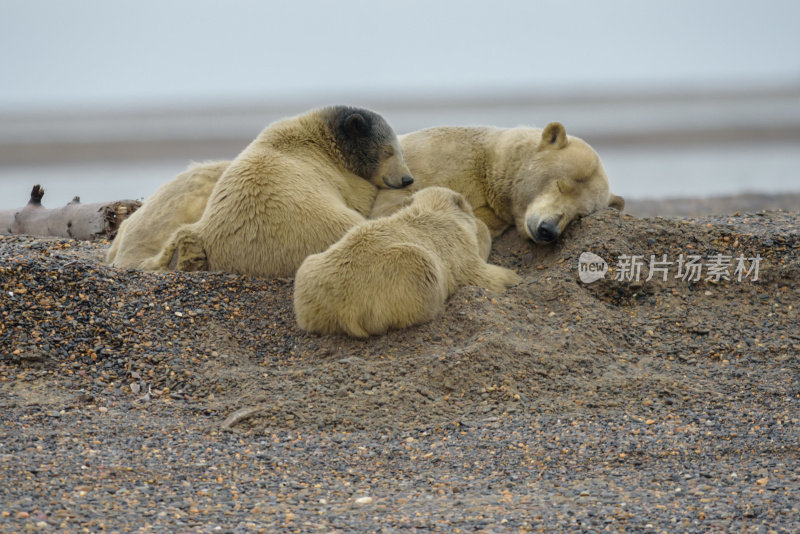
{"x": 397, "y": 271}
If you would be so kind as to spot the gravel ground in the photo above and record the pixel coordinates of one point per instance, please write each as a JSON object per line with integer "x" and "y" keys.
{"x": 190, "y": 402}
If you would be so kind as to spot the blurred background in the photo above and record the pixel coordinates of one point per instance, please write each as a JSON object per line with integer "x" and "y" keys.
{"x": 108, "y": 100}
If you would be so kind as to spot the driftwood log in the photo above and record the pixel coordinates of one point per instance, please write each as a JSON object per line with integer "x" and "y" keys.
{"x": 75, "y": 220}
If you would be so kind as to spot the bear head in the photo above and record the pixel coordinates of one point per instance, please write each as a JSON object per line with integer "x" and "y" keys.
{"x": 369, "y": 146}
{"x": 447, "y": 203}
{"x": 441, "y": 200}
{"x": 563, "y": 180}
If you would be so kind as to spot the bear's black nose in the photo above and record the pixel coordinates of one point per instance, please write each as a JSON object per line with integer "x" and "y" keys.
{"x": 407, "y": 180}
{"x": 546, "y": 232}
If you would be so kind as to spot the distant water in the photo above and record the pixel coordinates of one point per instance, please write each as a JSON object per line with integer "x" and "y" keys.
{"x": 713, "y": 144}
{"x": 634, "y": 172}
{"x": 702, "y": 171}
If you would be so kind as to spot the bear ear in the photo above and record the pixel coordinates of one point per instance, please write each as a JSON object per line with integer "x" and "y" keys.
{"x": 461, "y": 203}
{"x": 553, "y": 136}
{"x": 356, "y": 126}
{"x": 618, "y": 203}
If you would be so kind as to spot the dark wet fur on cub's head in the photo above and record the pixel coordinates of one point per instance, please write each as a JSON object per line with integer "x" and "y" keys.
{"x": 364, "y": 138}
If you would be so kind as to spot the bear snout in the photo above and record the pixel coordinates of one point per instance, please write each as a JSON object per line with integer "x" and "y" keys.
{"x": 405, "y": 181}
{"x": 543, "y": 232}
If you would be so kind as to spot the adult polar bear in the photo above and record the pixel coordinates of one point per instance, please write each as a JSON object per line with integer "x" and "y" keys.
{"x": 294, "y": 191}
{"x": 536, "y": 179}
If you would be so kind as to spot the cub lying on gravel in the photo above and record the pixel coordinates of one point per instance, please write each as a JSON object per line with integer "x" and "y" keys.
{"x": 397, "y": 271}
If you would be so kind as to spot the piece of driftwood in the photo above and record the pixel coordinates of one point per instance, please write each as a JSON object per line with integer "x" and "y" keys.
{"x": 75, "y": 220}
{"x": 240, "y": 415}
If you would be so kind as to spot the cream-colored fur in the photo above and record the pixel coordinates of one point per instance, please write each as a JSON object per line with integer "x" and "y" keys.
{"x": 537, "y": 179}
{"x": 295, "y": 190}
{"x": 399, "y": 270}
{"x": 510, "y": 176}
{"x": 180, "y": 201}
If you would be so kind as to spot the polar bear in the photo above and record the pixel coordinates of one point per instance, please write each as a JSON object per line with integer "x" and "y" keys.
{"x": 180, "y": 201}
{"x": 397, "y": 271}
{"x": 294, "y": 191}
{"x": 536, "y": 179}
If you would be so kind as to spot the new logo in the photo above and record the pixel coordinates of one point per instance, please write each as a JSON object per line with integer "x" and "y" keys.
{"x": 591, "y": 267}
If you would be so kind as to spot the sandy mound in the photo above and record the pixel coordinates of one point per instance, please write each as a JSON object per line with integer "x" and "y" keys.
{"x": 223, "y": 343}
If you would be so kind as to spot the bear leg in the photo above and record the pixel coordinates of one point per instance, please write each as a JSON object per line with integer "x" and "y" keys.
{"x": 388, "y": 201}
{"x": 496, "y": 278}
{"x": 496, "y": 225}
{"x": 484, "y": 239}
{"x": 189, "y": 254}
{"x": 183, "y": 251}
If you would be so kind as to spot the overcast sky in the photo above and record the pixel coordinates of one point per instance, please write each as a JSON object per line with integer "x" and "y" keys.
{"x": 111, "y": 53}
